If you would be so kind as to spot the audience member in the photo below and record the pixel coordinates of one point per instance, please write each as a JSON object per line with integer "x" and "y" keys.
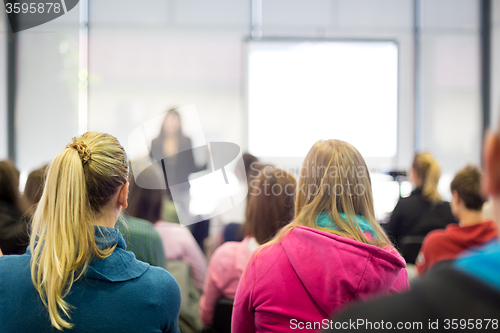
{"x": 34, "y": 186}
{"x": 266, "y": 213}
{"x": 178, "y": 242}
{"x": 333, "y": 252}
{"x": 14, "y": 235}
{"x": 467, "y": 290}
{"x": 76, "y": 273}
{"x": 472, "y": 229}
{"x": 423, "y": 211}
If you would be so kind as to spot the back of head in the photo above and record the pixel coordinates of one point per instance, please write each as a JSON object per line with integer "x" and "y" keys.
{"x": 467, "y": 184}
{"x": 9, "y": 183}
{"x": 334, "y": 180}
{"x": 80, "y": 182}
{"x": 270, "y": 204}
{"x": 34, "y": 185}
{"x": 429, "y": 172}
{"x": 143, "y": 202}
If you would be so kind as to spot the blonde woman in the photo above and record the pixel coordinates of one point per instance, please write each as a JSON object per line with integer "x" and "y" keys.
{"x": 332, "y": 253}
{"x": 76, "y": 275}
{"x": 420, "y": 213}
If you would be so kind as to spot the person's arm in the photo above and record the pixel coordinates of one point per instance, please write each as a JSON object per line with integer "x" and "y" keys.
{"x": 211, "y": 292}
{"x": 243, "y": 319}
{"x": 1, "y": 254}
{"x": 194, "y": 257}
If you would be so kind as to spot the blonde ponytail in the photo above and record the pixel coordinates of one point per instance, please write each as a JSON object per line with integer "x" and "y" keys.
{"x": 80, "y": 181}
{"x": 428, "y": 170}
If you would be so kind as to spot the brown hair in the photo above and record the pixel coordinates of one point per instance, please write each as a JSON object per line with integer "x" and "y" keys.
{"x": 143, "y": 202}
{"x": 9, "y": 185}
{"x": 81, "y": 180}
{"x": 467, "y": 183}
{"x": 427, "y": 169}
{"x": 34, "y": 185}
{"x": 270, "y": 204}
{"x": 334, "y": 179}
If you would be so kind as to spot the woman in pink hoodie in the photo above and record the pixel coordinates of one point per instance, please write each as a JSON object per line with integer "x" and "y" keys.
{"x": 270, "y": 207}
{"x": 334, "y": 251}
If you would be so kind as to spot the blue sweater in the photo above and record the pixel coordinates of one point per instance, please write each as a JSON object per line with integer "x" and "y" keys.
{"x": 116, "y": 294}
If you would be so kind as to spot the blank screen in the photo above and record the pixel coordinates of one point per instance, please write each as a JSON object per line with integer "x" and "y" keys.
{"x": 301, "y": 92}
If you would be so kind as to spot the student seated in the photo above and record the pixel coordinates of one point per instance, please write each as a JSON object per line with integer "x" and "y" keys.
{"x": 14, "y": 236}
{"x": 178, "y": 242}
{"x": 266, "y": 213}
{"x": 333, "y": 252}
{"x": 420, "y": 213}
{"x": 464, "y": 291}
{"x": 472, "y": 229}
{"x": 76, "y": 274}
{"x": 34, "y": 186}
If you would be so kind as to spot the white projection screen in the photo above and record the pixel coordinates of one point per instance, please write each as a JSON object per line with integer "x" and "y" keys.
{"x": 302, "y": 91}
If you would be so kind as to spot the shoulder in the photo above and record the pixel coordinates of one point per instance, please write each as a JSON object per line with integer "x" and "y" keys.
{"x": 435, "y": 237}
{"x": 161, "y": 280}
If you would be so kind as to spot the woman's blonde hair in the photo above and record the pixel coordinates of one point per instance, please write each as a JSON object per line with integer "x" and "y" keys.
{"x": 428, "y": 170}
{"x": 80, "y": 182}
{"x": 334, "y": 179}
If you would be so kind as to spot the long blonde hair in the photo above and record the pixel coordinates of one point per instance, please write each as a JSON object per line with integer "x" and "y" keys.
{"x": 80, "y": 182}
{"x": 428, "y": 170}
{"x": 334, "y": 179}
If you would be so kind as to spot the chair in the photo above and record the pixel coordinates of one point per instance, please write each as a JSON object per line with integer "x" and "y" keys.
{"x": 410, "y": 247}
{"x": 222, "y": 317}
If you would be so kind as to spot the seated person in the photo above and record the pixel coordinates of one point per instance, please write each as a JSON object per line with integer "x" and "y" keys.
{"x": 143, "y": 240}
{"x": 266, "y": 214}
{"x": 421, "y": 212}
{"x": 178, "y": 242}
{"x": 34, "y": 186}
{"x": 14, "y": 235}
{"x": 76, "y": 274}
{"x": 333, "y": 252}
{"x": 472, "y": 229}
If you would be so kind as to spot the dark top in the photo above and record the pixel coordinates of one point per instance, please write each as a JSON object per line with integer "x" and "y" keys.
{"x": 178, "y": 166}
{"x": 116, "y": 294}
{"x": 14, "y": 236}
{"x": 415, "y": 216}
{"x": 448, "y": 292}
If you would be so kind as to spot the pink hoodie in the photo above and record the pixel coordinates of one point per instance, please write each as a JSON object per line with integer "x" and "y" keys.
{"x": 224, "y": 272}
{"x": 308, "y": 276}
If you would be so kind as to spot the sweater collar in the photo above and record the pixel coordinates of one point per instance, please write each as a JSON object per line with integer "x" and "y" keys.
{"x": 120, "y": 265}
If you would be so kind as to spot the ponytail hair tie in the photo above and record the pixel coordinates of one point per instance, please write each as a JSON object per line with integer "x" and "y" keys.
{"x": 83, "y": 150}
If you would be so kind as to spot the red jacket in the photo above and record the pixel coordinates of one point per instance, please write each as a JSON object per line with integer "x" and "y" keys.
{"x": 449, "y": 243}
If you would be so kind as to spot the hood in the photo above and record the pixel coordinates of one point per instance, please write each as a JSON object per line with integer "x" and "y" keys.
{"x": 473, "y": 235}
{"x": 335, "y": 269}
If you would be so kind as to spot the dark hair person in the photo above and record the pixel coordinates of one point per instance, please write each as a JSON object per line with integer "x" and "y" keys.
{"x": 423, "y": 211}
{"x": 76, "y": 273}
{"x": 178, "y": 242}
{"x": 332, "y": 253}
{"x": 270, "y": 207}
{"x": 34, "y": 185}
{"x": 14, "y": 236}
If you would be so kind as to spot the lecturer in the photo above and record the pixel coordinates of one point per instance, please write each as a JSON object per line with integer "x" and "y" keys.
{"x": 175, "y": 149}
